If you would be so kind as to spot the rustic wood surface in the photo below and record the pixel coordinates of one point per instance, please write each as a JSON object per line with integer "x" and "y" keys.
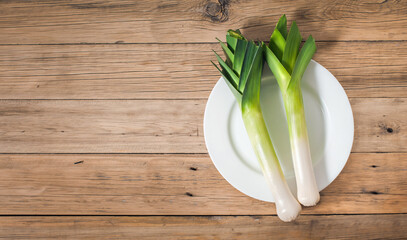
{"x": 160, "y": 126}
{"x": 211, "y": 227}
{"x": 176, "y": 71}
{"x": 174, "y": 21}
{"x": 180, "y": 184}
{"x": 101, "y": 108}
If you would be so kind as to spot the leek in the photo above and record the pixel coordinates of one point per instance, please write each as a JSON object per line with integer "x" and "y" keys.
{"x": 288, "y": 65}
{"x": 242, "y": 72}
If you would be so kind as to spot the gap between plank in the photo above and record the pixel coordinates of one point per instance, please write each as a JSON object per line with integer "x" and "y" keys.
{"x": 265, "y": 215}
{"x": 139, "y": 99}
{"x": 177, "y": 43}
{"x": 149, "y": 153}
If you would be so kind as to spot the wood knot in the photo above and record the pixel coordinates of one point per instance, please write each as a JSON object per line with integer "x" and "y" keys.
{"x": 389, "y": 130}
{"x": 217, "y": 11}
{"x": 371, "y": 192}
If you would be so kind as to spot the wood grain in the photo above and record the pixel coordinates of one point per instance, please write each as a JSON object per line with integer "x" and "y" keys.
{"x": 379, "y": 120}
{"x": 177, "y": 71}
{"x": 159, "y": 126}
{"x": 155, "y": 21}
{"x": 219, "y": 227}
{"x": 101, "y": 108}
{"x": 180, "y": 185}
{"x": 107, "y": 126}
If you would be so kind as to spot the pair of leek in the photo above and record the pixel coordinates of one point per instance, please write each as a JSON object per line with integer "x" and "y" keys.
{"x": 242, "y": 71}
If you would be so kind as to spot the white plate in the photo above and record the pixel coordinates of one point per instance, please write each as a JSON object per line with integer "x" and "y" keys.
{"x": 329, "y": 121}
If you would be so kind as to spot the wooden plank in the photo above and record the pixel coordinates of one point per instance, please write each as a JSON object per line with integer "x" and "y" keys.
{"x": 219, "y": 227}
{"x": 177, "y": 71}
{"x": 180, "y": 185}
{"x": 107, "y": 126}
{"x": 194, "y": 21}
{"x": 159, "y": 126}
{"x": 379, "y": 120}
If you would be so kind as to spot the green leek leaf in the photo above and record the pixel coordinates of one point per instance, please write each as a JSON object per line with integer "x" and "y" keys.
{"x": 281, "y": 74}
{"x": 305, "y": 56}
{"x": 228, "y": 53}
{"x": 247, "y": 64}
{"x": 282, "y": 26}
{"x": 231, "y": 41}
{"x": 225, "y": 75}
{"x": 236, "y": 93}
{"x": 291, "y": 48}
{"x": 231, "y": 38}
{"x": 231, "y": 73}
{"x": 239, "y": 55}
{"x": 236, "y": 34}
{"x": 277, "y": 44}
{"x": 251, "y": 93}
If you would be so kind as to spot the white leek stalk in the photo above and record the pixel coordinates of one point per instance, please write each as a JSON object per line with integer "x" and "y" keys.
{"x": 242, "y": 72}
{"x": 288, "y": 66}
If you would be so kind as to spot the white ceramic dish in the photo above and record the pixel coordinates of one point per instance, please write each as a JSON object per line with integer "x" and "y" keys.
{"x": 329, "y": 122}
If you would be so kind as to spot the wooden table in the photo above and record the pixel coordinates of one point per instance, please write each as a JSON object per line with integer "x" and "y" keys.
{"x": 101, "y": 115}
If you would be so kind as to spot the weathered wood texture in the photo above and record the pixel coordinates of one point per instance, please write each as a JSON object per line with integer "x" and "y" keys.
{"x": 116, "y": 79}
{"x": 154, "y": 21}
{"x": 180, "y": 185}
{"x": 174, "y": 71}
{"x": 159, "y": 126}
{"x": 219, "y": 227}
